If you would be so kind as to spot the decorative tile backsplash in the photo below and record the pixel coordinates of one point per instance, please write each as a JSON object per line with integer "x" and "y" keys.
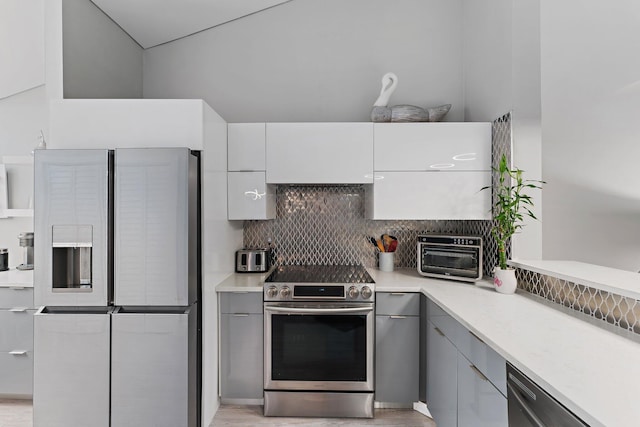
{"x": 617, "y": 310}
{"x": 325, "y": 225}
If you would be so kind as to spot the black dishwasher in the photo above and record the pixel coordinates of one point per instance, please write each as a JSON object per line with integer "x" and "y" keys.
{"x": 529, "y": 405}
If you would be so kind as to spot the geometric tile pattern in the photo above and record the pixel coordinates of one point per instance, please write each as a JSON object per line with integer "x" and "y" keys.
{"x": 617, "y": 310}
{"x": 325, "y": 225}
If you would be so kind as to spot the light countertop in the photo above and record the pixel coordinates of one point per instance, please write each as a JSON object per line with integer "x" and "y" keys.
{"x": 593, "y": 372}
{"x": 16, "y": 278}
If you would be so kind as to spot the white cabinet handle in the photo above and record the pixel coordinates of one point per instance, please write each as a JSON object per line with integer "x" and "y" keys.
{"x": 398, "y": 294}
{"x": 397, "y": 317}
{"x": 240, "y": 315}
{"x": 18, "y": 309}
{"x": 18, "y": 352}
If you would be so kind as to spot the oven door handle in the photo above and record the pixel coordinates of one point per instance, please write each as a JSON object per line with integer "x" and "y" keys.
{"x": 296, "y": 310}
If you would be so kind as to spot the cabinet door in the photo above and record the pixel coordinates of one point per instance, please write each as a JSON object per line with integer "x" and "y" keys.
{"x": 430, "y": 195}
{"x": 442, "y": 383}
{"x": 246, "y": 146}
{"x": 16, "y": 371}
{"x": 16, "y": 329}
{"x": 249, "y": 196}
{"x": 319, "y": 153}
{"x": 241, "y": 356}
{"x": 397, "y": 354}
{"x": 432, "y": 146}
{"x": 480, "y": 404}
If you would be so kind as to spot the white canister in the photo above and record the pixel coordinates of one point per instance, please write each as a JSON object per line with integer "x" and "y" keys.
{"x": 385, "y": 261}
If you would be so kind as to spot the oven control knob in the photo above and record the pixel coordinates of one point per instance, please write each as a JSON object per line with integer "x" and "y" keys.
{"x": 353, "y": 292}
{"x": 272, "y": 292}
{"x": 366, "y": 292}
{"x": 285, "y": 292}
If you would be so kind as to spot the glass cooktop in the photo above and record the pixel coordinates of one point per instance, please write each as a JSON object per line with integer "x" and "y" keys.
{"x": 341, "y": 274}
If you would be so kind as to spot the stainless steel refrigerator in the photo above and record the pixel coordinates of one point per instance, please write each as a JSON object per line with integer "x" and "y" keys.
{"x": 117, "y": 252}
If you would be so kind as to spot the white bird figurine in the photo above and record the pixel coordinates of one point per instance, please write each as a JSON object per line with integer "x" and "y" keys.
{"x": 402, "y": 113}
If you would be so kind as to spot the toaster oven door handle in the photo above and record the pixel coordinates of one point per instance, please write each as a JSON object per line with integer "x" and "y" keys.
{"x": 328, "y": 310}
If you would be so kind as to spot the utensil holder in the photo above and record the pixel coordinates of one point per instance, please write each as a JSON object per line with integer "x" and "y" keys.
{"x": 385, "y": 261}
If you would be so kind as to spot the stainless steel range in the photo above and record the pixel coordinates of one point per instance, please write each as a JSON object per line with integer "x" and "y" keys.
{"x": 319, "y": 341}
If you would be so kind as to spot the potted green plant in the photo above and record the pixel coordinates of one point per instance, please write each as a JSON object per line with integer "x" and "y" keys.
{"x": 510, "y": 207}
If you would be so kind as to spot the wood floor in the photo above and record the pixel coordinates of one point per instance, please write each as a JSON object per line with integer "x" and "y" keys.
{"x": 15, "y": 413}
{"x": 18, "y": 413}
{"x": 237, "y": 416}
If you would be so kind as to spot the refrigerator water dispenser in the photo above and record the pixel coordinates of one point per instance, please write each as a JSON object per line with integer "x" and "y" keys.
{"x": 71, "y": 257}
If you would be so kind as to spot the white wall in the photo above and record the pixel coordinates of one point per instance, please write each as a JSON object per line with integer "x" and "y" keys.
{"x": 100, "y": 60}
{"x": 591, "y": 131}
{"x": 310, "y": 60}
{"x": 501, "y": 41}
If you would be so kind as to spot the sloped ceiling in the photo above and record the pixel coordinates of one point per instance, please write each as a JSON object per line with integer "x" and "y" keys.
{"x": 153, "y": 22}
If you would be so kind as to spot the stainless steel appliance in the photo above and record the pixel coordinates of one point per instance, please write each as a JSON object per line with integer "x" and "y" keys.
{"x": 450, "y": 257}
{"x": 116, "y": 341}
{"x": 319, "y": 342}
{"x": 26, "y": 241}
{"x": 529, "y": 405}
{"x": 253, "y": 260}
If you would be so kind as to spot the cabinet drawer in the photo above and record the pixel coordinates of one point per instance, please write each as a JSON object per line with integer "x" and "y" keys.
{"x": 16, "y": 330}
{"x": 480, "y": 404}
{"x": 16, "y": 297}
{"x": 434, "y": 309}
{"x": 16, "y": 371}
{"x": 490, "y": 363}
{"x": 241, "y": 302}
{"x": 398, "y": 303}
{"x": 432, "y": 146}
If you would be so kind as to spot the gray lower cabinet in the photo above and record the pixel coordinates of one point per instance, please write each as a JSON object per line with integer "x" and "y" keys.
{"x": 442, "y": 378}
{"x": 397, "y": 348}
{"x": 480, "y": 404}
{"x": 16, "y": 342}
{"x": 241, "y": 347}
{"x": 466, "y": 379}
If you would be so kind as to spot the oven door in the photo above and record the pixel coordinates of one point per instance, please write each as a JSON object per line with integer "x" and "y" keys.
{"x": 464, "y": 263}
{"x": 318, "y": 346}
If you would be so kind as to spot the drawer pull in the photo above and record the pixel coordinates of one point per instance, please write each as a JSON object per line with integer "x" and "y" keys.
{"x": 240, "y": 292}
{"x": 439, "y": 331}
{"x": 476, "y": 337}
{"x": 18, "y": 288}
{"x": 241, "y": 315}
{"x": 397, "y": 317}
{"x": 18, "y": 309}
{"x": 477, "y": 371}
{"x": 18, "y": 352}
{"x": 398, "y": 294}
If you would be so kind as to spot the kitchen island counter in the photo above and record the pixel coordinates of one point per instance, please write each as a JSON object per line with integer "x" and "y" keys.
{"x": 593, "y": 372}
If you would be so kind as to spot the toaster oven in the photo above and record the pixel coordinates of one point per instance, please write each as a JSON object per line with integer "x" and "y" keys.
{"x": 253, "y": 260}
{"x": 450, "y": 257}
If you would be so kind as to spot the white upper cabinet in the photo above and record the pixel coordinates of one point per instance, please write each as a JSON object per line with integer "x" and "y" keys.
{"x": 432, "y": 171}
{"x": 432, "y": 146}
{"x": 246, "y": 146}
{"x": 429, "y": 195}
{"x": 319, "y": 153}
